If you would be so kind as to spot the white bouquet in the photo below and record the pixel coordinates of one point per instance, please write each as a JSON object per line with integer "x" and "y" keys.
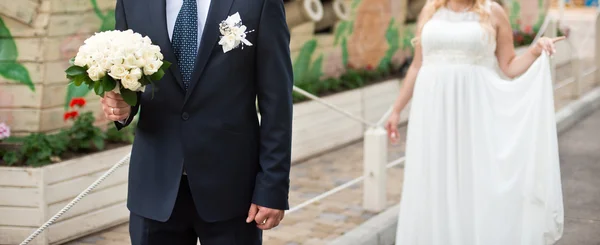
{"x": 120, "y": 61}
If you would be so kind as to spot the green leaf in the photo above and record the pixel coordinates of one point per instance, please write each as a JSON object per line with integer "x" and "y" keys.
{"x": 129, "y": 96}
{"x": 345, "y": 52}
{"x": 303, "y": 60}
{"x": 74, "y": 91}
{"x": 16, "y": 72}
{"x": 339, "y": 31}
{"x": 74, "y": 71}
{"x": 99, "y": 143}
{"x": 392, "y": 36}
{"x": 165, "y": 65}
{"x": 316, "y": 70}
{"x": 108, "y": 83}
{"x": 108, "y": 21}
{"x": 78, "y": 80}
{"x": 158, "y": 75}
{"x": 98, "y": 88}
{"x": 8, "y": 47}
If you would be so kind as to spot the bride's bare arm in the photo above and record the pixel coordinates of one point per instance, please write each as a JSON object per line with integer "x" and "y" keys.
{"x": 511, "y": 64}
{"x": 408, "y": 85}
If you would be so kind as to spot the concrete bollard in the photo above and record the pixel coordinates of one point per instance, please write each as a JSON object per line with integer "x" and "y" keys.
{"x": 375, "y": 161}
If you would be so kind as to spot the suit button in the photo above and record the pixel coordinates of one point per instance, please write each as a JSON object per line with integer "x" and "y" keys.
{"x": 185, "y": 116}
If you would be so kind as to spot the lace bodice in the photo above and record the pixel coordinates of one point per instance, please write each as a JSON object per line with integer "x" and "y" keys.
{"x": 457, "y": 38}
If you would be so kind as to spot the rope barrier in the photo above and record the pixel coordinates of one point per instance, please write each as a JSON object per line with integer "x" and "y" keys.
{"x": 332, "y": 106}
{"x": 76, "y": 200}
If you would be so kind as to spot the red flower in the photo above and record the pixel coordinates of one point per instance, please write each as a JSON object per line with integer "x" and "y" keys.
{"x": 519, "y": 38}
{"x": 80, "y": 102}
{"x": 369, "y": 67}
{"x": 528, "y": 29}
{"x": 70, "y": 115}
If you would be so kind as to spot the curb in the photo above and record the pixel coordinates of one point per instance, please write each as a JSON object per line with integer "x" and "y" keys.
{"x": 577, "y": 110}
{"x": 381, "y": 229}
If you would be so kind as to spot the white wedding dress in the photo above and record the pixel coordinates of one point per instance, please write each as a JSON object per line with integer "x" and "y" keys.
{"x": 482, "y": 163}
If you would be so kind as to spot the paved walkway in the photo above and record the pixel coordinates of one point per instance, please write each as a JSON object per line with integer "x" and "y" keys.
{"x": 580, "y": 168}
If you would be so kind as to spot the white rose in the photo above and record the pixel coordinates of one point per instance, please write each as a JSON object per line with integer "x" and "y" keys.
{"x": 80, "y": 60}
{"x": 130, "y": 82}
{"x": 105, "y": 65}
{"x": 136, "y": 72}
{"x": 96, "y": 73}
{"x": 152, "y": 67}
{"x": 118, "y": 71}
{"x": 141, "y": 62}
{"x": 147, "y": 40}
{"x": 149, "y": 55}
{"x": 130, "y": 61}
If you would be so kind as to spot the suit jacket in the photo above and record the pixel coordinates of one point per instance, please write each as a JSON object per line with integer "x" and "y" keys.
{"x": 212, "y": 129}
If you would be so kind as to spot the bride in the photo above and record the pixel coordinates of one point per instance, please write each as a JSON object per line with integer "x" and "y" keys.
{"x": 482, "y": 163}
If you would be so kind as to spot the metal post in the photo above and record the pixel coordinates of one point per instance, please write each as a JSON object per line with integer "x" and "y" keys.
{"x": 375, "y": 160}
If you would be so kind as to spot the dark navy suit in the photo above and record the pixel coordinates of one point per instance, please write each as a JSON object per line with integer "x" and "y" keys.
{"x": 211, "y": 130}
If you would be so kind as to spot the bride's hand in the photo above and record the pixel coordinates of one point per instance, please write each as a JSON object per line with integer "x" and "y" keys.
{"x": 546, "y": 44}
{"x": 392, "y": 127}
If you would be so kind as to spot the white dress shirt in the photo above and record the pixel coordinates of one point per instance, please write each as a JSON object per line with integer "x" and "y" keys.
{"x": 173, "y": 7}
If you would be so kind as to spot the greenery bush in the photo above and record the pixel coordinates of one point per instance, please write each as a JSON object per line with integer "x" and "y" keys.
{"x": 39, "y": 149}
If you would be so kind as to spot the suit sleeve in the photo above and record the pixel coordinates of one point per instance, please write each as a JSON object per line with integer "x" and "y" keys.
{"x": 274, "y": 92}
{"x": 121, "y": 25}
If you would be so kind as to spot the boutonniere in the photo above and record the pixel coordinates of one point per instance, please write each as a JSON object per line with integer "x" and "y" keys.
{"x": 233, "y": 33}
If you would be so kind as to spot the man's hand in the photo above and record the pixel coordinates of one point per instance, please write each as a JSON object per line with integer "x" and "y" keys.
{"x": 114, "y": 107}
{"x": 266, "y": 218}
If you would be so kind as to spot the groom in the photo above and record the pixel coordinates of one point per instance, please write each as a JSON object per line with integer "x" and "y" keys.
{"x": 202, "y": 167}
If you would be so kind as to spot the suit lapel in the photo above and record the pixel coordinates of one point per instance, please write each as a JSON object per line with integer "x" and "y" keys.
{"x": 158, "y": 13}
{"x": 219, "y": 10}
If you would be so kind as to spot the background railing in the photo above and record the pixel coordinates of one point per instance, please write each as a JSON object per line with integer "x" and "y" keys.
{"x": 375, "y": 160}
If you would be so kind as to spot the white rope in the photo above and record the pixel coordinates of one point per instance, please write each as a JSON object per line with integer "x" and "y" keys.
{"x": 335, "y": 108}
{"x": 76, "y": 200}
{"x": 339, "y": 188}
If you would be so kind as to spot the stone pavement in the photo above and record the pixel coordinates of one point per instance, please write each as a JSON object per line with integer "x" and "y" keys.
{"x": 580, "y": 168}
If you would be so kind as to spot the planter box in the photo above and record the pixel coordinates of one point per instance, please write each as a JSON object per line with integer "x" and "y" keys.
{"x": 30, "y": 196}
{"x": 318, "y": 129}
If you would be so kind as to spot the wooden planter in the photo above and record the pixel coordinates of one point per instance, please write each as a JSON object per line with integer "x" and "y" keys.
{"x": 318, "y": 128}
{"x": 30, "y": 196}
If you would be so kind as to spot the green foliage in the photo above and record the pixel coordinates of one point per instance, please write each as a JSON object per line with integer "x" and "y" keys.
{"x": 392, "y": 35}
{"x": 38, "y": 149}
{"x": 352, "y": 79}
{"x": 407, "y": 37}
{"x": 341, "y": 31}
{"x": 316, "y": 70}
{"x": 9, "y": 67}
{"x": 16, "y": 72}
{"x": 83, "y": 135}
{"x": 345, "y": 52}
{"x": 108, "y": 19}
{"x": 515, "y": 11}
{"x": 74, "y": 91}
{"x": 125, "y": 135}
{"x": 302, "y": 63}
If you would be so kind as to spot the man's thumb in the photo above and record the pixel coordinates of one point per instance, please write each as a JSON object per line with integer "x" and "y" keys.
{"x": 252, "y": 213}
